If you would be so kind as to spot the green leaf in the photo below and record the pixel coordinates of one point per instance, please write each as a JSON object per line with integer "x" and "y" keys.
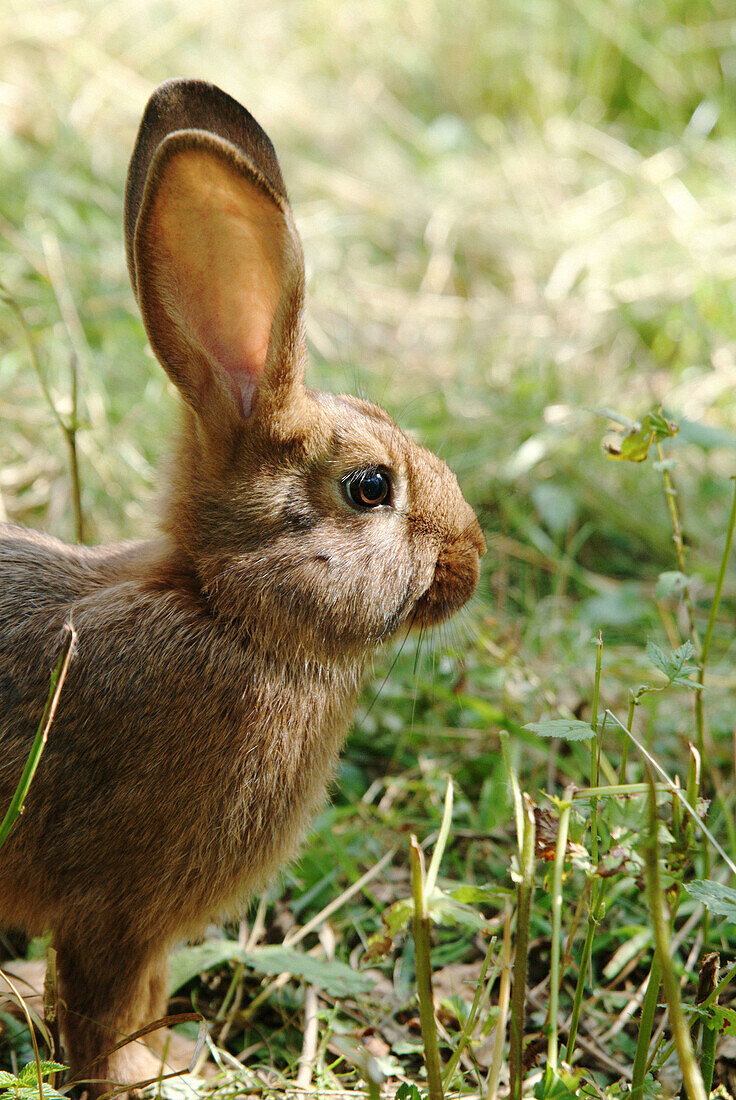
{"x": 557, "y": 1086}
{"x": 408, "y": 1092}
{"x": 397, "y": 916}
{"x": 46, "y": 1068}
{"x": 724, "y": 1019}
{"x": 659, "y": 425}
{"x": 442, "y": 909}
{"x": 658, "y": 657}
{"x": 567, "y": 729}
{"x": 715, "y": 897}
{"x": 482, "y": 895}
{"x": 674, "y": 664}
{"x": 334, "y": 977}
{"x": 635, "y": 445}
{"x": 7, "y": 1078}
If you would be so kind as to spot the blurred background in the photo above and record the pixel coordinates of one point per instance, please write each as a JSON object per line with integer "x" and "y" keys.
{"x": 511, "y": 215}
{"x": 514, "y": 216}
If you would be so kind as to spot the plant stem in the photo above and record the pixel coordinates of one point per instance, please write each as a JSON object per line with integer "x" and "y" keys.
{"x": 523, "y": 913}
{"x": 503, "y": 1007}
{"x": 691, "y": 810}
{"x": 629, "y": 724}
{"x": 597, "y": 889}
{"x": 692, "y": 1079}
{"x": 554, "y": 968}
{"x": 643, "y": 1039}
{"x": 424, "y": 974}
{"x": 679, "y": 541}
{"x": 70, "y": 433}
{"x": 719, "y": 584}
{"x": 595, "y": 749}
{"x": 705, "y": 651}
{"x": 480, "y": 991}
{"x": 594, "y": 915}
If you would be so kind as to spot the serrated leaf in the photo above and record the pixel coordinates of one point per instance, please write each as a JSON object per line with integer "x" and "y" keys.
{"x": 725, "y": 1019}
{"x": 334, "y": 977}
{"x": 567, "y": 729}
{"x": 46, "y": 1068}
{"x": 674, "y": 664}
{"x": 691, "y": 685}
{"x": 7, "y": 1078}
{"x": 671, "y": 585}
{"x": 715, "y": 897}
{"x": 659, "y": 658}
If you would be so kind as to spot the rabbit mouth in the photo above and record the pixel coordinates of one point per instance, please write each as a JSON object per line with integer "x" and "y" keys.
{"x": 455, "y": 579}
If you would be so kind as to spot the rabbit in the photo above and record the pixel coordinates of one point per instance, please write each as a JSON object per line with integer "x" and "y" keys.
{"x": 217, "y": 665}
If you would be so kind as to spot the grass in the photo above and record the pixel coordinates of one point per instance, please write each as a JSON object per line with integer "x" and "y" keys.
{"x": 512, "y": 218}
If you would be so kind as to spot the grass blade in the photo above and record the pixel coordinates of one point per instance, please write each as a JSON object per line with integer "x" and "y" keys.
{"x": 39, "y": 742}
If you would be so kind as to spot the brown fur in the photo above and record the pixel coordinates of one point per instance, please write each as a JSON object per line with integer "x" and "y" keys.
{"x": 216, "y": 666}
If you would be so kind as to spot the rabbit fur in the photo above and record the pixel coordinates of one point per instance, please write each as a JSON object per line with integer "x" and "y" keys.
{"x": 217, "y": 665}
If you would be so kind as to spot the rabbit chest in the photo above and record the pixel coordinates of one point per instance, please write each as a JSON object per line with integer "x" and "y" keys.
{"x": 186, "y": 758}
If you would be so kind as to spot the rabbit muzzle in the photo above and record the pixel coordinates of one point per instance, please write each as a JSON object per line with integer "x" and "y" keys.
{"x": 455, "y": 579}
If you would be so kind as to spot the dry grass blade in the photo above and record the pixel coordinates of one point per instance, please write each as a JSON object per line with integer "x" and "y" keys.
{"x": 171, "y": 1020}
{"x": 24, "y": 1009}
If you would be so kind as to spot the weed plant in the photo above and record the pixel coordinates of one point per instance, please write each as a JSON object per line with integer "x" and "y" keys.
{"x": 518, "y": 220}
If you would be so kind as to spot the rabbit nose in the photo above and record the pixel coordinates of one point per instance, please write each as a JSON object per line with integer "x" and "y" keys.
{"x": 473, "y": 535}
{"x": 477, "y": 539}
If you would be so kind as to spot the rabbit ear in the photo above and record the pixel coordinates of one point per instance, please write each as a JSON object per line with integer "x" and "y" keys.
{"x": 214, "y": 256}
{"x": 193, "y": 105}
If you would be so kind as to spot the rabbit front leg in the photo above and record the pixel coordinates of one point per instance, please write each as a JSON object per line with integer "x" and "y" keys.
{"x": 109, "y": 990}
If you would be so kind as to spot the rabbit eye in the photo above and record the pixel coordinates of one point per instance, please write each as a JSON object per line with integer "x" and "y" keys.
{"x": 368, "y": 488}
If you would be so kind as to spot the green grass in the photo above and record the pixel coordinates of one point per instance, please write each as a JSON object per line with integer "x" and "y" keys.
{"x": 513, "y": 215}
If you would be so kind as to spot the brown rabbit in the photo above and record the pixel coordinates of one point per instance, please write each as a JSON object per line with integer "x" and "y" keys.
{"x": 217, "y": 665}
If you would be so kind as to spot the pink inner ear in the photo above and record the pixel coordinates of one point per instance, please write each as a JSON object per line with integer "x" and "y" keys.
{"x": 220, "y": 244}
